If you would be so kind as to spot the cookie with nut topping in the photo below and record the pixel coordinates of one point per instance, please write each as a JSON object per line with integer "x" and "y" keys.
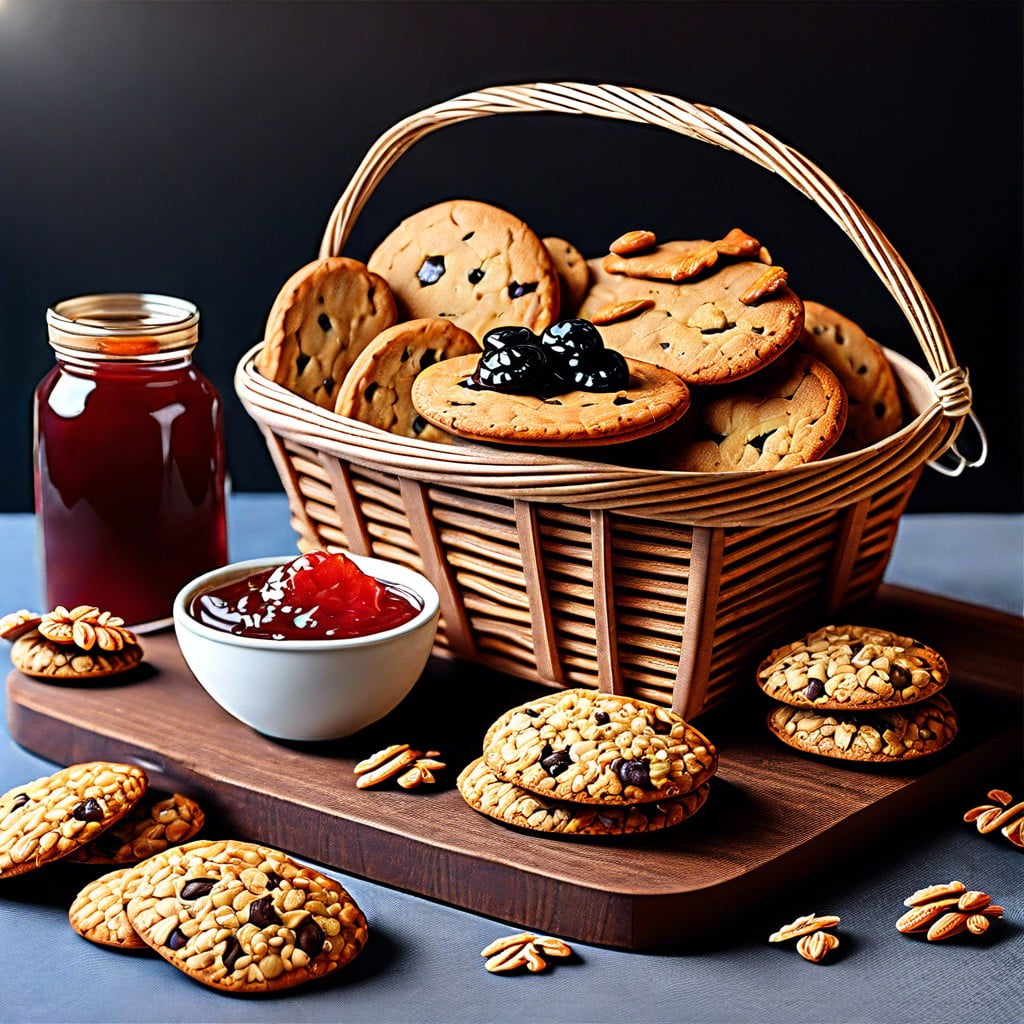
{"x": 880, "y": 737}
{"x": 852, "y": 668}
{"x": 586, "y": 747}
{"x": 97, "y": 913}
{"x": 243, "y": 918}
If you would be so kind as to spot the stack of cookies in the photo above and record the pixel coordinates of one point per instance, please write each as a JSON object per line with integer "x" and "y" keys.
{"x": 582, "y": 763}
{"x": 859, "y": 694}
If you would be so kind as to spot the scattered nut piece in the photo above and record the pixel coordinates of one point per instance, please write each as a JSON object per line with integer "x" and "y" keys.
{"x": 617, "y": 311}
{"x": 816, "y": 946}
{"x": 944, "y": 910}
{"x": 412, "y": 767}
{"x": 633, "y": 241}
{"x": 770, "y": 281}
{"x": 803, "y": 926}
{"x": 16, "y": 623}
{"x": 522, "y": 950}
{"x": 989, "y": 817}
{"x": 86, "y": 627}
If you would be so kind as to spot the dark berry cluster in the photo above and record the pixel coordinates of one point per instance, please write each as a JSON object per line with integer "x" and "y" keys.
{"x": 568, "y": 356}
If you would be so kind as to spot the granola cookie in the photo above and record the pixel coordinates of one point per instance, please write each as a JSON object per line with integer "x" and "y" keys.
{"x": 243, "y": 918}
{"x": 699, "y": 328}
{"x": 378, "y": 387}
{"x": 852, "y": 668}
{"x": 472, "y": 263}
{"x": 157, "y": 821}
{"x": 97, "y": 912}
{"x": 788, "y": 414}
{"x": 863, "y": 370}
{"x": 512, "y": 805}
{"x": 573, "y": 274}
{"x": 324, "y": 316}
{"x": 897, "y": 734}
{"x": 49, "y": 818}
{"x": 652, "y": 400}
{"x": 596, "y": 748}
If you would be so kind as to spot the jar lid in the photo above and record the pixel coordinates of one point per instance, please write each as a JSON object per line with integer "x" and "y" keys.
{"x": 123, "y": 325}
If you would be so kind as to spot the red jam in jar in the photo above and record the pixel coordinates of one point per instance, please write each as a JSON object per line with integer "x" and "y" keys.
{"x": 317, "y": 596}
{"x": 129, "y": 470}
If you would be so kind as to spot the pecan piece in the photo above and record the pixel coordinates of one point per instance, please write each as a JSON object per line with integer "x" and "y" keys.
{"x": 816, "y": 946}
{"x": 942, "y": 911}
{"x": 1009, "y": 820}
{"x": 522, "y": 950}
{"x": 803, "y": 926}
{"x": 770, "y": 281}
{"x": 616, "y": 311}
{"x": 633, "y": 241}
{"x": 411, "y": 767}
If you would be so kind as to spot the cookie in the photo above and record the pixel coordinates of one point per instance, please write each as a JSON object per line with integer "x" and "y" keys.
{"x": 323, "y": 317}
{"x": 852, "y": 668}
{"x": 98, "y": 911}
{"x": 511, "y": 805}
{"x": 596, "y": 748}
{"x": 242, "y": 918}
{"x": 698, "y": 328}
{"x": 788, "y": 414}
{"x": 378, "y": 387}
{"x": 157, "y": 821}
{"x": 653, "y": 400}
{"x": 573, "y": 274}
{"x": 897, "y": 734}
{"x": 860, "y": 364}
{"x": 47, "y": 819}
{"x": 471, "y": 263}
{"x": 35, "y": 655}
{"x": 639, "y": 254}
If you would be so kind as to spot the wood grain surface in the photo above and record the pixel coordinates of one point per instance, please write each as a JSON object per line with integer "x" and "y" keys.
{"x": 771, "y": 810}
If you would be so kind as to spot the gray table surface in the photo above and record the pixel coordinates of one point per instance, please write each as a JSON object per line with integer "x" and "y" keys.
{"x": 422, "y": 963}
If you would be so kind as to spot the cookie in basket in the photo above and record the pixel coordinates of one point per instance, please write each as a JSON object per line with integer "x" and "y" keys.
{"x": 596, "y": 748}
{"x": 573, "y": 274}
{"x": 472, "y": 263}
{"x": 324, "y": 316}
{"x": 243, "y": 918}
{"x": 511, "y": 805}
{"x": 861, "y": 366}
{"x": 790, "y": 413}
{"x": 878, "y": 737}
{"x": 852, "y": 668}
{"x": 378, "y": 387}
{"x": 717, "y": 326}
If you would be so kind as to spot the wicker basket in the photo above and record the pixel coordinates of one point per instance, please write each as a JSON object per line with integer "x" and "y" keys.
{"x": 661, "y": 584}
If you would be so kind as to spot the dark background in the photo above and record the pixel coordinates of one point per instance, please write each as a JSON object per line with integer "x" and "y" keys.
{"x": 197, "y": 149}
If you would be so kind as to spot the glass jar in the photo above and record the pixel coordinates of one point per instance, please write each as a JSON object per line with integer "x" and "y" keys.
{"x": 129, "y": 457}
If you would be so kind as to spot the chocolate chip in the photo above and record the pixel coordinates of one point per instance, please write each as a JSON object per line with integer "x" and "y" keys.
{"x": 431, "y": 270}
{"x": 232, "y": 951}
{"x": 87, "y": 810}
{"x": 633, "y": 772}
{"x": 466, "y": 238}
{"x": 554, "y": 762}
{"x": 428, "y": 358}
{"x": 405, "y": 355}
{"x": 419, "y": 425}
{"x": 371, "y": 390}
{"x": 814, "y": 689}
{"x": 623, "y": 400}
{"x": 879, "y": 409}
{"x": 664, "y": 345}
{"x": 757, "y": 330}
{"x": 301, "y": 362}
{"x": 532, "y": 713}
{"x": 309, "y": 937}
{"x": 662, "y": 728}
{"x": 899, "y": 676}
{"x": 19, "y": 801}
{"x": 262, "y": 912}
{"x": 324, "y": 321}
{"x": 840, "y": 340}
{"x": 475, "y": 276}
{"x": 196, "y": 887}
{"x": 552, "y": 401}
{"x": 176, "y": 939}
{"x": 328, "y": 384}
{"x": 862, "y": 370}
{"x": 274, "y": 880}
{"x": 517, "y": 290}
{"x": 601, "y": 717}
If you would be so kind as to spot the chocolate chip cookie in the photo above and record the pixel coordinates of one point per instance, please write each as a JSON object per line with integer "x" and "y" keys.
{"x": 323, "y": 317}
{"x": 573, "y": 274}
{"x": 471, "y": 263}
{"x": 378, "y": 387}
{"x": 586, "y": 747}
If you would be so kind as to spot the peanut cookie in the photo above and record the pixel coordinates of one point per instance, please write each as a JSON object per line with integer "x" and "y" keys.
{"x": 852, "y": 668}
{"x": 157, "y": 821}
{"x": 49, "y": 818}
{"x": 788, "y": 414}
{"x": 597, "y": 748}
{"x": 35, "y": 655}
{"x": 378, "y": 387}
{"x": 474, "y": 264}
{"x": 897, "y": 734}
{"x": 699, "y": 328}
{"x": 98, "y": 913}
{"x": 653, "y": 399}
{"x": 860, "y": 364}
{"x": 243, "y": 918}
{"x": 510, "y": 804}
{"x": 323, "y": 317}
{"x": 573, "y": 274}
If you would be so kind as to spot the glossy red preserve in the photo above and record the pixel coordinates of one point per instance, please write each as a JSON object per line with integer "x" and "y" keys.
{"x": 317, "y": 596}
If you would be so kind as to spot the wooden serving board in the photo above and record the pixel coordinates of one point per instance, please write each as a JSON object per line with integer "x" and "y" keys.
{"x": 771, "y": 814}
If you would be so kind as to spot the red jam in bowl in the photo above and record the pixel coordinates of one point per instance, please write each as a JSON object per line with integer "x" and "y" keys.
{"x": 317, "y": 596}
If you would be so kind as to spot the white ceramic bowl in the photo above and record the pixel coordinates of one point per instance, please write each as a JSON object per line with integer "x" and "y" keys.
{"x": 307, "y": 689}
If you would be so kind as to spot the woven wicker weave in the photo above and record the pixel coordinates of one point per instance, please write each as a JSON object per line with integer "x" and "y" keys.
{"x": 662, "y": 584}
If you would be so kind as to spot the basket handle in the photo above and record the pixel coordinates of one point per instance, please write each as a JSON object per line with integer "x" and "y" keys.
{"x": 707, "y": 124}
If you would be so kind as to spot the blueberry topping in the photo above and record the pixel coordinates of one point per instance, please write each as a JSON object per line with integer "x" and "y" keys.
{"x": 431, "y": 270}
{"x": 814, "y": 689}
{"x": 601, "y": 717}
{"x": 572, "y": 339}
{"x": 517, "y": 290}
{"x": 606, "y": 371}
{"x": 633, "y": 773}
{"x": 176, "y": 939}
{"x": 517, "y": 368}
{"x": 502, "y": 337}
{"x": 554, "y": 762}
{"x": 88, "y": 810}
